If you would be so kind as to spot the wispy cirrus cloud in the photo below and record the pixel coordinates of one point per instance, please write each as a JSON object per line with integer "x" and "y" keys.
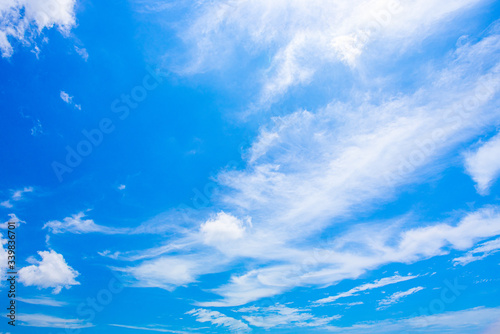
{"x": 396, "y": 297}
{"x": 152, "y": 329}
{"x": 42, "y": 301}
{"x": 300, "y": 38}
{"x": 368, "y": 286}
{"x": 308, "y": 170}
{"x": 48, "y": 321}
{"x": 478, "y": 253}
{"x": 278, "y": 316}
{"x": 219, "y": 319}
{"x": 82, "y": 52}
{"x": 338, "y": 262}
{"x": 77, "y": 224}
{"x": 474, "y": 320}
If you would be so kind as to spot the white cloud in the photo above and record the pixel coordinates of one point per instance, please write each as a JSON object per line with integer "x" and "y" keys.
{"x": 349, "y": 305}
{"x": 223, "y": 228}
{"x": 474, "y": 320}
{"x": 122, "y": 187}
{"x": 152, "y": 329}
{"x": 283, "y": 316}
{"x": 13, "y": 219}
{"x": 166, "y": 272}
{"x": 396, "y": 297}
{"x": 17, "y": 195}
{"x": 25, "y": 19}
{"x": 485, "y": 249}
{"x": 82, "y": 52}
{"x": 42, "y": 320}
{"x": 65, "y": 97}
{"x": 51, "y": 272}
{"x": 368, "y": 286}
{"x": 3, "y": 257}
{"x": 302, "y": 37}
{"x": 363, "y": 248}
{"x": 219, "y": 319}
{"x": 310, "y": 170}
{"x": 483, "y": 165}
{"x": 76, "y": 224}
{"x": 69, "y": 100}
{"x": 42, "y": 301}
{"x": 37, "y": 128}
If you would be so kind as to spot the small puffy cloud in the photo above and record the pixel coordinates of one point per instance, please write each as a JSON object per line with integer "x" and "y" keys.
{"x": 223, "y": 228}
{"x": 396, "y": 297}
{"x": 17, "y": 195}
{"x": 65, "y": 97}
{"x": 37, "y": 128}
{"x": 51, "y": 272}
{"x": 219, "y": 319}
{"x": 69, "y": 100}
{"x": 23, "y": 20}
{"x": 483, "y": 165}
{"x": 42, "y": 320}
{"x": 82, "y": 52}
{"x": 122, "y": 187}
{"x": 13, "y": 218}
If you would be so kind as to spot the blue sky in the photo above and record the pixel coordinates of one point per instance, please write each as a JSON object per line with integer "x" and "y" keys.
{"x": 251, "y": 166}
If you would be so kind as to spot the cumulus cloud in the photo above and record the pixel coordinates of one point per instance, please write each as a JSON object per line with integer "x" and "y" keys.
{"x": 223, "y": 228}
{"x": 483, "y": 165}
{"x": 23, "y": 20}
{"x": 219, "y": 319}
{"x": 396, "y": 297}
{"x": 50, "y": 272}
